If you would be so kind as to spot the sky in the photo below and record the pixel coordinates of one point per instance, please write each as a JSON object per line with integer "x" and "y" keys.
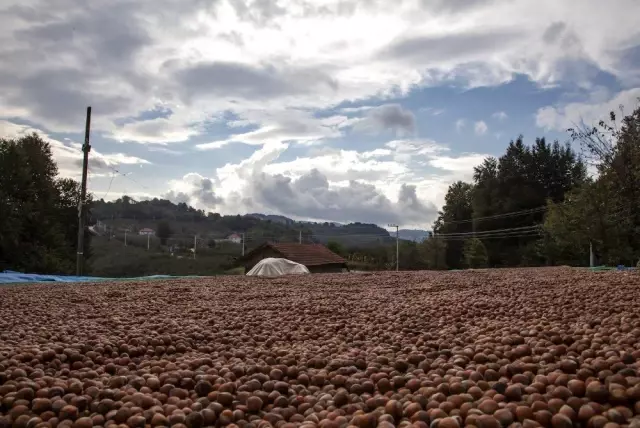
{"x": 325, "y": 110}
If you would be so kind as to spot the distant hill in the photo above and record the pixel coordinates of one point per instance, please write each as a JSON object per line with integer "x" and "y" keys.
{"x": 272, "y": 217}
{"x": 415, "y": 235}
{"x": 131, "y": 215}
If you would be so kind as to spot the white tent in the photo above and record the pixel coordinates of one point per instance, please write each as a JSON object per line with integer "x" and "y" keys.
{"x": 276, "y": 267}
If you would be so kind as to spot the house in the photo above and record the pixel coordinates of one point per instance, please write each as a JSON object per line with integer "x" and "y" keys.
{"x": 235, "y": 238}
{"x": 146, "y": 231}
{"x": 316, "y": 257}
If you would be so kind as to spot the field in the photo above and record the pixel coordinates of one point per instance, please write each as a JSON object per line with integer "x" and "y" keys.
{"x": 521, "y": 347}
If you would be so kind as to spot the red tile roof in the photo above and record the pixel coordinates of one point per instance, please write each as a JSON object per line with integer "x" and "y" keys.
{"x": 306, "y": 254}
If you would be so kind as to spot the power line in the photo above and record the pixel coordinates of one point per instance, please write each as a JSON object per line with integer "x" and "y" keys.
{"x": 497, "y": 216}
{"x": 488, "y": 232}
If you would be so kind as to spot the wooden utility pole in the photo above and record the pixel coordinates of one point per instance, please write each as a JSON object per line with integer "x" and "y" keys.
{"x": 195, "y": 245}
{"x": 86, "y": 147}
{"x": 397, "y": 245}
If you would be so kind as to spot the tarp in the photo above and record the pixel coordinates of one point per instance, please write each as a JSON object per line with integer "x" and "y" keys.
{"x": 11, "y": 277}
{"x": 276, "y": 267}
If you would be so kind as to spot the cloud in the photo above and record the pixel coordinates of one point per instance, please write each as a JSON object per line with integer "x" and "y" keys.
{"x": 460, "y": 124}
{"x": 203, "y": 58}
{"x": 388, "y": 117}
{"x": 282, "y": 126}
{"x": 449, "y": 48}
{"x": 401, "y": 181}
{"x": 69, "y": 156}
{"x": 195, "y": 189}
{"x": 242, "y": 81}
{"x": 155, "y": 131}
{"x": 311, "y": 196}
{"x": 480, "y": 128}
{"x": 500, "y": 115}
{"x": 564, "y": 116}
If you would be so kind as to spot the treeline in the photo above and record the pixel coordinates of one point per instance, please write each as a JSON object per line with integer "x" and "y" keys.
{"x": 38, "y": 210}
{"x": 182, "y": 219}
{"x": 536, "y": 205}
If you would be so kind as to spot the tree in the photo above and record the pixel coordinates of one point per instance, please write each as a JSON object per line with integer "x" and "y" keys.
{"x": 336, "y": 247}
{"x": 434, "y": 253}
{"x": 509, "y": 193}
{"x": 38, "y": 210}
{"x": 475, "y": 254}
{"x": 164, "y": 232}
{"x": 613, "y": 147}
{"x": 456, "y": 217}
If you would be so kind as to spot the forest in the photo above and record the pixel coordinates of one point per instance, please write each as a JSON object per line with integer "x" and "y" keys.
{"x": 548, "y": 204}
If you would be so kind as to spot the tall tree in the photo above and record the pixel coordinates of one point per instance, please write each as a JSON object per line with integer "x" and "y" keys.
{"x": 520, "y": 181}
{"x": 38, "y": 211}
{"x": 456, "y": 217}
{"x": 612, "y": 221}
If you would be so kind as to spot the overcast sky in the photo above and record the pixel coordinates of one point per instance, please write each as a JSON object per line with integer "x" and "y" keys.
{"x": 339, "y": 110}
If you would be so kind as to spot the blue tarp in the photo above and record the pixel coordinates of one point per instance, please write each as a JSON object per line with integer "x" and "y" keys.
{"x": 11, "y": 277}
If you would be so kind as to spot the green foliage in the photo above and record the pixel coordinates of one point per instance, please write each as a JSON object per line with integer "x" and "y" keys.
{"x": 112, "y": 259}
{"x": 164, "y": 231}
{"x": 521, "y": 180}
{"x": 434, "y": 253}
{"x": 454, "y": 218}
{"x": 336, "y": 248}
{"x": 38, "y": 210}
{"x": 475, "y": 254}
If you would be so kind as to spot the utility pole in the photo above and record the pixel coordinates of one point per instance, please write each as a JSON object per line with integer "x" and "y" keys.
{"x": 83, "y": 194}
{"x": 300, "y": 238}
{"x": 397, "y": 245}
{"x": 125, "y": 237}
{"x": 195, "y": 244}
{"x": 148, "y": 236}
{"x": 591, "y": 255}
{"x": 242, "y": 234}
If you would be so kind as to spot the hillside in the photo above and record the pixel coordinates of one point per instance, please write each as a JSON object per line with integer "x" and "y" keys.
{"x": 185, "y": 222}
{"x": 120, "y": 247}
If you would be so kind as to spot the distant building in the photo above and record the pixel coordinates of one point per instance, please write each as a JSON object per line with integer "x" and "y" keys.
{"x": 316, "y": 257}
{"x": 235, "y": 238}
{"x": 146, "y": 231}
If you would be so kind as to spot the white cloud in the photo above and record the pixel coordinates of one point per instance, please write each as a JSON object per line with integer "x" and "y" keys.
{"x": 569, "y": 115}
{"x": 202, "y": 58}
{"x": 500, "y": 115}
{"x": 282, "y": 126}
{"x": 270, "y": 72}
{"x": 154, "y": 131}
{"x": 480, "y": 128}
{"x": 403, "y": 181}
{"x": 68, "y": 155}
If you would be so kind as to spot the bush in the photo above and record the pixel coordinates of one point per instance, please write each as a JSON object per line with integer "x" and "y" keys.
{"x": 475, "y": 254}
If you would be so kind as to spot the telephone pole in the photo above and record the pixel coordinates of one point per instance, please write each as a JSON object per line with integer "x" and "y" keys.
{"x": 300, "y": 238}
{"x": 86, "y": 147}
{"x": 242, "y": 244}
{"x": 397, "y": 245}
{"x": 195, "y": 244}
